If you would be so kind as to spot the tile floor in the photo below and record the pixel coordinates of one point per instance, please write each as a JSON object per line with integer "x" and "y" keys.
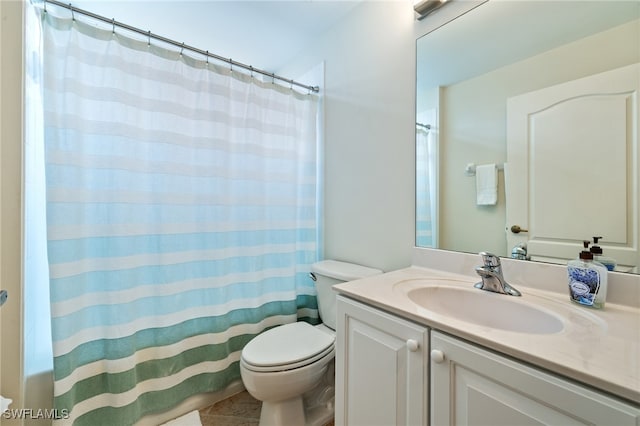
{"x": 238, "y": 410}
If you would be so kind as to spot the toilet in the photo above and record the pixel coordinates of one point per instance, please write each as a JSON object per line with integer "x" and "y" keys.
{"x": 290, "y": 368}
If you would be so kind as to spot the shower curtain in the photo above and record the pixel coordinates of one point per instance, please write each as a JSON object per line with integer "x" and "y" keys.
{"x": 181, "y": 214}
{"x": 426, "y": 188}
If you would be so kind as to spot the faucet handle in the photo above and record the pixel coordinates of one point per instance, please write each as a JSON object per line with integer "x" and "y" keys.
{"x": 489, "y": 259}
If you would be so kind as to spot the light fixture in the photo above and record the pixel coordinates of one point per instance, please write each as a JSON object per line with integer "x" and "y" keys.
{"x": 425, "y": 7}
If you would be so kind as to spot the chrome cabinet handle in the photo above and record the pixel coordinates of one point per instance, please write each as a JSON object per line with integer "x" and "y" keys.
{"x": 3, "y": 296}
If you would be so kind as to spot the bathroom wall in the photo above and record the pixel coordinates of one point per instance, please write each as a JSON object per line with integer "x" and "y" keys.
{"x": 369, "y": 94}
{"x": 369, "y": 86}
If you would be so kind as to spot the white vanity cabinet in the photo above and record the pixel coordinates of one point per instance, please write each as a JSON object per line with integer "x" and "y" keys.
{"x": 473, "y": 386}
{"x": 381, "y": 368}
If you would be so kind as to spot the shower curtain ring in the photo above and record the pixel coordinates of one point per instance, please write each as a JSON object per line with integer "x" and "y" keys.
{"x": 149, "y": 35}
{"x": 231, "y": 65}
{"x": 113, "y": 25}
{"x": 207, "y": 57}
{"x": 182, "y": 48}
{"x": 251, "y": 69}
{"x": 273, "y": 78}
{"x": 73, "y": 16}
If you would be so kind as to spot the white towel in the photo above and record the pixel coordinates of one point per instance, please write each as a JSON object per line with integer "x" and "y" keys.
{"x": 486, "y": 184}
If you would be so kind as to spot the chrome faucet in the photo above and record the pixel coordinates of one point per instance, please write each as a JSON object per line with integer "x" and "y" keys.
{"x": 491, "y": 274}
{"x": 519, "y": 251}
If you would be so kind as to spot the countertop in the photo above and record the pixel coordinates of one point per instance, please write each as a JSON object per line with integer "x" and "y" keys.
{"x": 600, "y": 348}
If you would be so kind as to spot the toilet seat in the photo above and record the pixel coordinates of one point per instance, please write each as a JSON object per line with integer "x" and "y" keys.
{"x": 287, "y": 347}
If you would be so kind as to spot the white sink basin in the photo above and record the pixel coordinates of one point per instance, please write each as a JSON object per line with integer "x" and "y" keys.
{"x": 484, "y": 308}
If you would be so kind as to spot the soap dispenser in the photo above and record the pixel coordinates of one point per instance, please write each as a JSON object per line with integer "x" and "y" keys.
{"x": 587, "y": 279}
{"x": 598, "y": 255}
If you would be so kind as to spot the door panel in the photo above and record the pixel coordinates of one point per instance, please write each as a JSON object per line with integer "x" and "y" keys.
{"x": 572, "y": 157}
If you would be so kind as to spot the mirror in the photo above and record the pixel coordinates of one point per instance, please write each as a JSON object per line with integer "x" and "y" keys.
{"x": 471, "y": 77}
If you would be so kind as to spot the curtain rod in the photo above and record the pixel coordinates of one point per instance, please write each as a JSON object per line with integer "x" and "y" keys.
{"x": 182, "y": 46}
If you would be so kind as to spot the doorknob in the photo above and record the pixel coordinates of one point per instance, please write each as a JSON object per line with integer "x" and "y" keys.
{"x": 3, "y": 296}
{"x": 516, "y": 229}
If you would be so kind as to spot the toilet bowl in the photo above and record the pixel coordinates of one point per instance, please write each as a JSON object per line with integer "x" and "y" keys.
{"x": 281, "y": 365}
{"x": 290, "y": 368}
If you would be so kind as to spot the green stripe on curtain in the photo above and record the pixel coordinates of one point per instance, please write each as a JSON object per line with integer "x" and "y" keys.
{"x": 155, "y": 401}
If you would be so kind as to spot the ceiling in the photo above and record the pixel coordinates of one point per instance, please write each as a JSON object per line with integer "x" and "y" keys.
{"x": 265, "y": 34}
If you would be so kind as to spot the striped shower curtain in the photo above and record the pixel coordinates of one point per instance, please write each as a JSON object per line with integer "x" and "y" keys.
{"x": 182, "y": 218}
{"x": 426, "y": 188}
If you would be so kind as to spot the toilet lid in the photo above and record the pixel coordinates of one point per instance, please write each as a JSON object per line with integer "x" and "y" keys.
{"x": 292, "y": 345}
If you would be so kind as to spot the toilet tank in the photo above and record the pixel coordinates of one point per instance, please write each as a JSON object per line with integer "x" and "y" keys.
{"x": 329, "y": 272}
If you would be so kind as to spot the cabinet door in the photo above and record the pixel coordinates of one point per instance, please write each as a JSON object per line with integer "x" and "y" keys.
{"x": 381, "y": 368}
{"x": 473, "y": 386}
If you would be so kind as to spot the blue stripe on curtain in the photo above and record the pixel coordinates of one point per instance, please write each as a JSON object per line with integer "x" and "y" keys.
{"x": 182, "y": 219}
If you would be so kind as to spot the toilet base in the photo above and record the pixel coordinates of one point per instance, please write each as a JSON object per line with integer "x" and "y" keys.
{"x": 293, "y": 412}
{"x": 319, "y": 416}
{"x": 314, "y": 408}
{"x": 289, "y": 412}
{"x": 319, "y": 401}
